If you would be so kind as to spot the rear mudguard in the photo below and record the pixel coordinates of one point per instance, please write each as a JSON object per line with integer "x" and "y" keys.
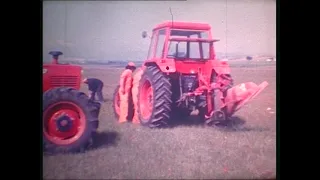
{"x": 241, "y": 94}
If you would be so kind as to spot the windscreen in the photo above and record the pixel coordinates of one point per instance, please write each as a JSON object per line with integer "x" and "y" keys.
{"x": 189, "y": 50}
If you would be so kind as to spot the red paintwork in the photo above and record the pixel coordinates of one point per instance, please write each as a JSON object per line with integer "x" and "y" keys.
{"x": 193, "y": 40}
{"x": 203, "y": 67}
{"x": 242, "y": 94}
{"x": 61, "y": 75}
{"x": 146, "y": 98}
{"x": 50, "y": 129}
{"x": 183, "y": 25}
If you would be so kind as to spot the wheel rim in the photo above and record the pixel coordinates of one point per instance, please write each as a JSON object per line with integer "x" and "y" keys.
{"x": 146, "y": 100}
{"x": 63, "y": 123}
{"x": 117, "y": 103}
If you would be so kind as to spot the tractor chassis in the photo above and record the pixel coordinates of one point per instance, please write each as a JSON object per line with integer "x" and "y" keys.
{"x": 214, "y": 93}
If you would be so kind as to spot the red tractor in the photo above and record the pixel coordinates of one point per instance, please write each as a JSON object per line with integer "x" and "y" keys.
{"x": 182, "y": 75}
{"x": 69, "y": 117}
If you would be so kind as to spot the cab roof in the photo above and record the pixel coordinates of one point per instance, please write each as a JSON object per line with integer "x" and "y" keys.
{"x": 183, "y": 25}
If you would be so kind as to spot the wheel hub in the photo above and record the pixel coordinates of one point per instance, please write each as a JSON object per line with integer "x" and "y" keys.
{"x": 64, "y": 123}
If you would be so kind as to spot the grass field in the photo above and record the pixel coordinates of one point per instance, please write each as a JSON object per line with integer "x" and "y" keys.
{"x": 246, "y": 149}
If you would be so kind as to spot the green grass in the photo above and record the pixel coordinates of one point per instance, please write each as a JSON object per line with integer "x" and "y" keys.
{"x": 126, "y": 151}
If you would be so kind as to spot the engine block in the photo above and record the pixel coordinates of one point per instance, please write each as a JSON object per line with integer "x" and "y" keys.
{"x": 189, "y": 82}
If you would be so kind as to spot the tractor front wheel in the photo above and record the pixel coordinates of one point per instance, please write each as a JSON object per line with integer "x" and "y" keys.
{"x": 69, "y": 120}
{"x": 154, "y": 98}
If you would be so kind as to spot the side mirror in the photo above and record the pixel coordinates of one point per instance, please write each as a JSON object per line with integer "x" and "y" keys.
{"x": 144, "y": 34}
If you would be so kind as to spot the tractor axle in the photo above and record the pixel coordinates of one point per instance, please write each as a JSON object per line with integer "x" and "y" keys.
{"x": 64, "y": 123}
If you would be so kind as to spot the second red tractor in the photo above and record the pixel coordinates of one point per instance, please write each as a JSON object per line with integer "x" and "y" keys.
{"x": 183, "y": 75}
{"x": 70, "y": 118}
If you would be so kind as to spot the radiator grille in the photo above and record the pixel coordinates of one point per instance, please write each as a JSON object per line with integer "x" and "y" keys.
{"x": 68, "y": 81}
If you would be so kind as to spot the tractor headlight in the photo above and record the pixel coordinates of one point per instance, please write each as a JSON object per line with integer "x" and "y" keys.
{"x": 44, "y": 70}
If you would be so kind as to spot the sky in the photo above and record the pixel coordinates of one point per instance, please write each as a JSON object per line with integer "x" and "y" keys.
{"x": 111, "y": 30}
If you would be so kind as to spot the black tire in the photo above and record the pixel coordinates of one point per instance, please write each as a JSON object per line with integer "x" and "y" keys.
{"x": 90, "y": 109}
{"x": 114, "y": 105}
{"x": 162, "y": 93}
{"x": 95, "y": 113}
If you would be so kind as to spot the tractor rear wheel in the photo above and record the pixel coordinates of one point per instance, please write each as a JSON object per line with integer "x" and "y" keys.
{"x": 69, "y": 120}
{"x": 116, "y": 102}
{"x": 154, "y": 98}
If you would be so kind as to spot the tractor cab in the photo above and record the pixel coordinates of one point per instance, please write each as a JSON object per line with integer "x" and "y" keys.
{"x": 189, "y": 45}
{"x": 60, "y": 75}
{"x": 176, "y": 43}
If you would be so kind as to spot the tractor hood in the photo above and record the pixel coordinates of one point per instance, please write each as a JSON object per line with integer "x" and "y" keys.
{"x": 61, "y": 69}
{"x": 57, "y": 75}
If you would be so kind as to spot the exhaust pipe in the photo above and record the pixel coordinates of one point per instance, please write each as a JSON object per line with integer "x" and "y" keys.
{"x": 55, "y": 56}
